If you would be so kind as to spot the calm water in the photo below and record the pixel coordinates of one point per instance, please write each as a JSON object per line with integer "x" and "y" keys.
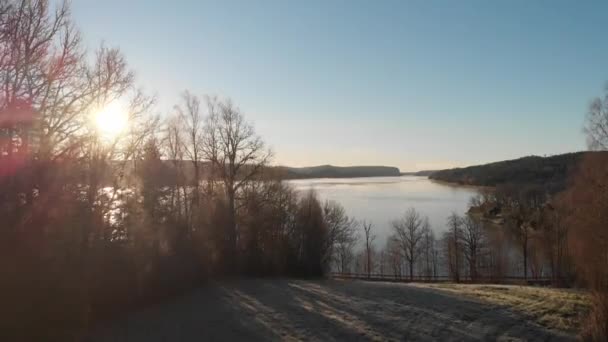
{"x": 382, "y": 199}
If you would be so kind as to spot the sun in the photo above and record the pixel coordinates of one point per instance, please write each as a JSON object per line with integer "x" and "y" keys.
{"x": 111, "y": 120}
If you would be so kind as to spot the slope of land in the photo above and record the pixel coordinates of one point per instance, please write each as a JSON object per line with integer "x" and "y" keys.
{"x": 324, "y": 310}
{"x": 561, "y": 309}
{"x": 552, "y": 172}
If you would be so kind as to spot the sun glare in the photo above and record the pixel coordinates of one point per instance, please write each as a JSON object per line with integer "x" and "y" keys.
{"x": 111, "y": 120}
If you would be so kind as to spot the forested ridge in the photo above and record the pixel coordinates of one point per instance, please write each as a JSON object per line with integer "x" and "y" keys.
{"x": 552, "y": 172}
{"x": 171, "y": 167}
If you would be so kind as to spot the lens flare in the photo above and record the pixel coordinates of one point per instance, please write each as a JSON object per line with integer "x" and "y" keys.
{"x": 111, "y": 120}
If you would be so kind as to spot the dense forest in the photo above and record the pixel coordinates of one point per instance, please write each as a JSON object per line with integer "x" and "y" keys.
{"x": 98, "y": 221}
{"x": 553, "y": 172}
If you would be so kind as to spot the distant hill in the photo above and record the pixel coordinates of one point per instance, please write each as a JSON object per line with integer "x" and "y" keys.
{"x": 423, "y": 173}
{"x": 552, "y": 172}
{"x": 283, "y": 172}
{"x": 330, "y": 171}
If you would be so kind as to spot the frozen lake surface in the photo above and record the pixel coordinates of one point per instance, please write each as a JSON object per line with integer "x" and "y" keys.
{"x": 380, "y": 200}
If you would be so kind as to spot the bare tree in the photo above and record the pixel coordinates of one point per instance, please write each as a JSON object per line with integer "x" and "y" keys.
{"x": 498, "y": 247}
{"x": 452, "y": 240}
{"x": 237, "y": 155}
{"x": 435, "y": 256}
{"x": 596, "y": 125}
{"x": 553, "y": 237}
{"x": 49, "y": 90}
{"x": 429, "y": 252}
{"x": 174, "y": 150}
{"x": 341, "y": 235}
{"x": 369, "y": 246}
{"x": 394, "y": 254}
{"x": 192, "y": 121}
{"x": 584, "y": 206}
{"x": 382, "y": 259}
{"x": 345, "y": 255}
{"x": 409, "y": 231}
{"x": 522, "y": 207}
{"x": 472, "y": 241}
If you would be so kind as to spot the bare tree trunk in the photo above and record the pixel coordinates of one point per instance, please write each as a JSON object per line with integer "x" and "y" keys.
{"x": 369, "y": 264}
{"x": 434, "y": 263}
{"x": 473, "y": 266}
{"x": 525, "y": 252}
{"x": 411, "y": 262}
{"x": 232, "y": 241}
{"x": 369, "y": 239}
{"x": 197, "y": 181}
{"x": 456, "y": 263}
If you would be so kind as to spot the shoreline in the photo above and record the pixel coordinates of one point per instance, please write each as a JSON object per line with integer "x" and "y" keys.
{"x": 454, "y": 184}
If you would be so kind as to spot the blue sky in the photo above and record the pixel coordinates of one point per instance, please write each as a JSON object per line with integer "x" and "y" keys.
{"x": 414, "y": 84}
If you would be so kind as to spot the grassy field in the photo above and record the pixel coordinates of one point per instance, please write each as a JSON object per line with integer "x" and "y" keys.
{"x": 338, "y": 310}
{"x": 561, "y": 309}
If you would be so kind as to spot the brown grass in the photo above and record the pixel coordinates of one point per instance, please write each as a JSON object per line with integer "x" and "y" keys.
{"x": 560, "y": 309}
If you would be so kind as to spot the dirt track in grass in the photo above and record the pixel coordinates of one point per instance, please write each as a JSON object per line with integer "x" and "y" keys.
{"x": 323, "y": 310}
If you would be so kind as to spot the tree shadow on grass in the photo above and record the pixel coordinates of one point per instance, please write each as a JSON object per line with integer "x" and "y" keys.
{"x": 293, "y": 310}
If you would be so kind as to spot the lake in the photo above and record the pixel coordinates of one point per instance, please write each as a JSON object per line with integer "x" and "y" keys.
{"x": 380, "y": 200}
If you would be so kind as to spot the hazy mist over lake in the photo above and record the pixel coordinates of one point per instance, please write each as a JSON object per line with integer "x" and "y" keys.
{"x": 382, "y": 199}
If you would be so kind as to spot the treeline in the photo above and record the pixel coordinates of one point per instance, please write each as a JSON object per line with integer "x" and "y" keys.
{"x": 170, "y": 169}
{"x": 93, "y": 224}
{"x": 330, "y": 171}
{"x": 555, "y": 209}
{"x": 483, "y": 245}
{"x": 552, "y": 172}
{"x": 542, "y": 218}
{"x": 512, "y": 230}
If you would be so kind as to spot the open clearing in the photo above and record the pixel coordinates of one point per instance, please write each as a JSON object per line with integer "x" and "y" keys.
{"x": 326, "y": 310}
{"x": 560, "y": 309}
